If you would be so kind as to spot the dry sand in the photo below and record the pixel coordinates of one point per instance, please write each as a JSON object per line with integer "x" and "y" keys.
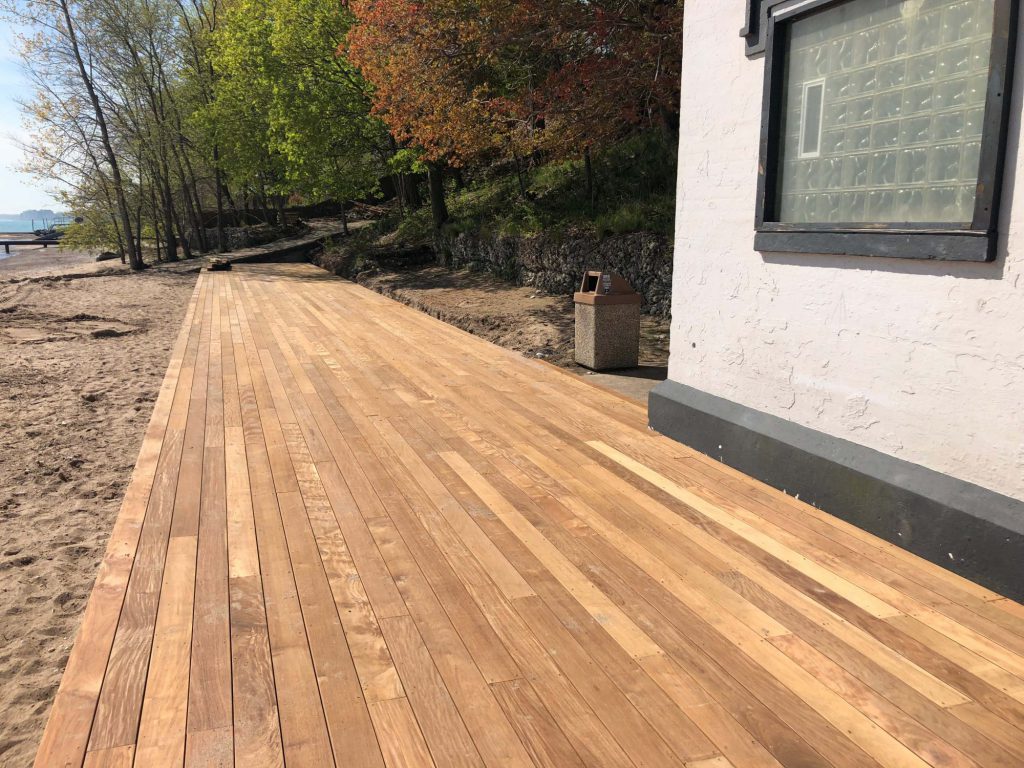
{"x": 35, "y": 261}
{"x": 83, "y": 350}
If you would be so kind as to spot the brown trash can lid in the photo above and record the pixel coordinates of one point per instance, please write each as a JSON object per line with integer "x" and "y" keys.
{"x": 600, "y": 287}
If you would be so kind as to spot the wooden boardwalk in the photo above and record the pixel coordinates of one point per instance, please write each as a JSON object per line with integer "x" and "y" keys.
{"x": 356, "y": 536}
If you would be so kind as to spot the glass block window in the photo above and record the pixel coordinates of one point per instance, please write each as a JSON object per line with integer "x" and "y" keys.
{"x": 883, "y": 105}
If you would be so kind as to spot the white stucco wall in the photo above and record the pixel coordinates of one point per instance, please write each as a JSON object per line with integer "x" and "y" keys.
{"x": 920, "y": 360}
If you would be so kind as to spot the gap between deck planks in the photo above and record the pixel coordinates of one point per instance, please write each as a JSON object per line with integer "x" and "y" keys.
{"x": 358, "y": 536}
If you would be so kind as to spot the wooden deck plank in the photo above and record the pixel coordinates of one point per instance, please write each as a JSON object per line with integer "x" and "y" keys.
{"x": 495, "y": 739}
{"x": 111, "y": 757}
{"x": 363, "y": 400}
{"x": 537, "y": 729}
{"x": 209, "y": 698}
{"x": 305, "y": 739}
{"x": 255, "y": 721}
{"x": 120, "y": 703}
{"x": 66, "y": 737}
{"x": 488, "y": 652}
{"x": 162, "y": 727}
{"x": 161, "y": 740}
{"x": 376, "y": 670}
{"x": 358, "y": 536}
{"x": 400, "y": 734}
{"x": 443, "y": 727}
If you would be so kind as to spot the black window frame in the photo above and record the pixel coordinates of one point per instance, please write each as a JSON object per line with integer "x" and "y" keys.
{"x": 975, "y": 242}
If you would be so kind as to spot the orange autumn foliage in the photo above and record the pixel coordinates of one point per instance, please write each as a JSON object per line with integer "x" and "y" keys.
{"x": 423, "y": 60}
{"x": 472, "y": 80}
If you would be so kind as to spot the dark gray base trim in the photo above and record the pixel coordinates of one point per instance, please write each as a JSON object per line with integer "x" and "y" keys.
{"x": 965, "y": 528}
{"x": 950, "y": 246}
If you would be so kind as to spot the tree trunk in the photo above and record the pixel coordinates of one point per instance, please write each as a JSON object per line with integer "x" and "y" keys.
{"x": 233, "y": 205}
{"x": 279, "y": 201}
{"x": 134, "y": 259}
{"x": 591, "y": 187}
{"x": 519, "y": 176}
{"x": 438, "y": 208}
{"x": 117, "y": 234}
{"x": 344, "y": 220}
{"x": 401, "y": 182}
{"x": 186, "y": 246}
{"x": 262, "y": 196}
{"x": 194, "y": 197}
{"x": 190, "y": 210}
{"x": 411, "y": 185}
{"x": 195, "y": 218}
{"x": 221, "y": 242}
{"x": 156, "y": 227}
{"x": 396, "y": 179}
{"x": 138, "y": 225}
{"x": 171, "y": 243}
{"x": 138, "y": 208}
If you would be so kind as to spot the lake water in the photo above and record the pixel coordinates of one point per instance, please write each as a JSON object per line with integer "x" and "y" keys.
{"x": 18, "y": 225}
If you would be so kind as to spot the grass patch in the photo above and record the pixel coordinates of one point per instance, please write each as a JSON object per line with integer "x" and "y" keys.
{"x": 634, "y": 191}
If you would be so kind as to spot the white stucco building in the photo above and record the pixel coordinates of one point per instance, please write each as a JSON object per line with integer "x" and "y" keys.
{"x": 848, "y": 293}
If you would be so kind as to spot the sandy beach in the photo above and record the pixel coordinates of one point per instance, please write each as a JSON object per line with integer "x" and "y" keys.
{"x": 35, "y": 261}
{"x": 83, "y": 350}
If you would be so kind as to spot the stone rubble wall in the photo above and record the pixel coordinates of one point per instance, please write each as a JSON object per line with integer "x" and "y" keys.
{"x": 556, "y": 263}
{"x": 246, "y": 237}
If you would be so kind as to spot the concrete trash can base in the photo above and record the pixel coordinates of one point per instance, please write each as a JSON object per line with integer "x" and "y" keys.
{"x": 607, "y": 322}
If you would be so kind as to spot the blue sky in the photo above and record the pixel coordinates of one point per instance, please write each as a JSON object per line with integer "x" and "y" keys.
{"x": 17, "y": 191}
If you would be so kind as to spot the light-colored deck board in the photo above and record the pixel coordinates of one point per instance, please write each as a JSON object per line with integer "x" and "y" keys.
{"x": 358, "y": 536}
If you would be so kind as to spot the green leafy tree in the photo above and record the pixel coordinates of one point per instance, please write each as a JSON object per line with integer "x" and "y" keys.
{"x": 290, "y": 114}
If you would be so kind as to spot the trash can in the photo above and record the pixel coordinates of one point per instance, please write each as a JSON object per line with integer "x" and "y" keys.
{"x": 607, "y": 322}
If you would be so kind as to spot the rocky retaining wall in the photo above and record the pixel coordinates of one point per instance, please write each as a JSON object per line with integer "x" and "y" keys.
{"x": 342, "y": 261}
{"x": 556, "y": 263}
{"x": 247, "y": 237}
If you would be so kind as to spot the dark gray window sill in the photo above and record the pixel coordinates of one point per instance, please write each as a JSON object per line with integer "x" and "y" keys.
{"x": 934, "y": 246}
